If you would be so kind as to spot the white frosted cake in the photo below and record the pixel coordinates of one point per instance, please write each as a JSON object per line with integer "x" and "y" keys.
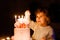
{"x": 21, "y": 34}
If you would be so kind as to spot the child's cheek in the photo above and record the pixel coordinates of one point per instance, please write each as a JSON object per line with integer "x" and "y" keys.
{"x": 37, "y": 20}
{"x": 42, "y": 20}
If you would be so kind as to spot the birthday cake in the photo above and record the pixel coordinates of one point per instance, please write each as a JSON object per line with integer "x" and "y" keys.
{"x": 23, "y": 33}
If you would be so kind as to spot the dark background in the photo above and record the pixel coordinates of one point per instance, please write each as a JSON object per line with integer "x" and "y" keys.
{"x": 8, "y": 8}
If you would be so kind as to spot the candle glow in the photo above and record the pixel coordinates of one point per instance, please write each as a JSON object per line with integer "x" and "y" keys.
{"x": 18, "y": 17}
{"x": 23, "y": 19}
{"x": 8, "y": 38}
{"x": 15, "y": 17}
{"x": 22, "y": 16}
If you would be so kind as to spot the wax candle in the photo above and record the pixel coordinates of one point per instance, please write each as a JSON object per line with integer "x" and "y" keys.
{"x": 15, "y": 17}
{"x": 20, "y": 19}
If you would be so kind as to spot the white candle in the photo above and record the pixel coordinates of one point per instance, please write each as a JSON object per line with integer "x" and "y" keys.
{"x": 15, "y": 17}
{"x": 18, "y": 17}
{"x": 22, "y": 19}
{"x": 22, "y": 16}
{"x": 8, "y": 38}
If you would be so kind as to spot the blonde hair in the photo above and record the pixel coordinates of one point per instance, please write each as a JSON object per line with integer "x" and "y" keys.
{"x": 45, "y": 12}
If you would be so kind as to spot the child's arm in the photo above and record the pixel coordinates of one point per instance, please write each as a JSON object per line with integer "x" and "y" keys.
{"x": 32, "y": 25}
{"x": 51, "y": 35}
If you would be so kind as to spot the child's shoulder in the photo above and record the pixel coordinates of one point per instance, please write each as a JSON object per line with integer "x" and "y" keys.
{"x": 49, "y": 28}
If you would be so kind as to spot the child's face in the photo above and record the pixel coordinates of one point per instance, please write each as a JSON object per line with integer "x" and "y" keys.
{"x": 41, "y": 18}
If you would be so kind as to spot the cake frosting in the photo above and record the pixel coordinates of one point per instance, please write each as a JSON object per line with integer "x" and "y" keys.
{"x": 21, "y": 34}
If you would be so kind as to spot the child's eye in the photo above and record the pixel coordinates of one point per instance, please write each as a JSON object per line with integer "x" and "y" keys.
{"x": 41, "y": 16}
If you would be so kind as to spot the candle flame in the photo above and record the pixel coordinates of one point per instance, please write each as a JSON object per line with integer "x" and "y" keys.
{"x": 22, "y": 16}
{"x": 15, "y": 16}
{"x": 8, "y": 38}
{"x": 18, "y": 16}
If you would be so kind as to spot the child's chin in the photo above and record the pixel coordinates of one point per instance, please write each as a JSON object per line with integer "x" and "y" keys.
{"x": 39, "y": 23}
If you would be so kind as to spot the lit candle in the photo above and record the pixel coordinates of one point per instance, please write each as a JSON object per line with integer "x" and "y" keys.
{"x": 18, "y": 17}
{"x": 15, "y": 17}
{"x": 22, "y": 16}
{"x": 22, "y": 19}
{"x": 3, "y": 39}
{"x": 8, "y": 38}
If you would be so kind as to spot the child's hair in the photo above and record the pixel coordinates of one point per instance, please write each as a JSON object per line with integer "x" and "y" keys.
{"x": 45, "y": 12}
{"x": 42, "y": 10}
